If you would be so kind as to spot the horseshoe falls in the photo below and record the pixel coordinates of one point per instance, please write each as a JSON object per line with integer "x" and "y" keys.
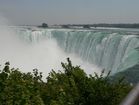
{"x": 28, "y": 49}
{"x": 116, "y": 50}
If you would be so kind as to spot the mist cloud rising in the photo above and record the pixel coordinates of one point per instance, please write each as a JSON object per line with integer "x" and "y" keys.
{"x": 45, "y": 55}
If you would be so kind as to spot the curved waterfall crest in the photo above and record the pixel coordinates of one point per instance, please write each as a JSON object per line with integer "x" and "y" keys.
{"x": 116, "y": 51}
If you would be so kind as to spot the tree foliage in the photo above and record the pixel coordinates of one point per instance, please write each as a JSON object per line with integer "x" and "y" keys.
{"x": 72, "y": 86}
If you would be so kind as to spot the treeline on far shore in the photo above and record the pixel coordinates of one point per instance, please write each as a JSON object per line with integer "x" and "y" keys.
{"x": 136, "y": 25}
{"x": 120, "y": 25}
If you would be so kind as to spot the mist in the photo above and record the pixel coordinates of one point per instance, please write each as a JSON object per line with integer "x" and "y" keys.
{"x": 44, "y": 55}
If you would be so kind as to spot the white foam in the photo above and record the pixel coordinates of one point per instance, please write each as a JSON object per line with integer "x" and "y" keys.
{"x": 45, "y": 55}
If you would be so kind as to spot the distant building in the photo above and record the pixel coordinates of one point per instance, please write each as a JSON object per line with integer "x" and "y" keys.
{"x": 44, "y": 25}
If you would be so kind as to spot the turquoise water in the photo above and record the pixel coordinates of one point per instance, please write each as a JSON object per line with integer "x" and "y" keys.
{"x": 114, "y": 50}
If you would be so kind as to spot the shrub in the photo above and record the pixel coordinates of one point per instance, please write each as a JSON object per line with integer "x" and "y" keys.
{"x": 71, "y": 86}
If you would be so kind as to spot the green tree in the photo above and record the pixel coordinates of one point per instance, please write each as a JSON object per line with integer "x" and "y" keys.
{"x": 70, "y": 86}
{"x": 75, "y": 87}
{"x": 18, "y": 88}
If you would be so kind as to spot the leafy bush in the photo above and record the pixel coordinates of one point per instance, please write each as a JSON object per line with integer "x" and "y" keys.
{"x": 70, "y": 87}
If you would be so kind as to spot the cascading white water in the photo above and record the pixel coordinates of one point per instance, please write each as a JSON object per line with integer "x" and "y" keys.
{"x": 26, "y": 50}
{"x": 112, "y": 50}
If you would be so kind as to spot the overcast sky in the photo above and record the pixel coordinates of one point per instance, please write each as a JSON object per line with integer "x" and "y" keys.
{"x": 34, "y": 12}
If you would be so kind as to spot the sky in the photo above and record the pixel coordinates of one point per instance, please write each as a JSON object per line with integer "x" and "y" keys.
{"x": 35, "y": 12}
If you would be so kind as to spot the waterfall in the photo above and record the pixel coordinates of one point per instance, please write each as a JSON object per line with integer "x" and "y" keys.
{"x": 114, "y": 50}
